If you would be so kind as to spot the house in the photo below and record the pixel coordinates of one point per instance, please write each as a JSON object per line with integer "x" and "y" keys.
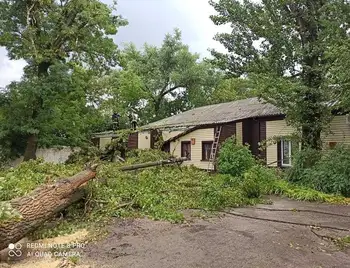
{"x": 251, "y": 121}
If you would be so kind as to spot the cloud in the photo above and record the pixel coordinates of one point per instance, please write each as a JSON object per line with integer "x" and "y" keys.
{"x": 198, "y": 13}
{"x": 149, "y": 21}
{"x": 10, "y": 70}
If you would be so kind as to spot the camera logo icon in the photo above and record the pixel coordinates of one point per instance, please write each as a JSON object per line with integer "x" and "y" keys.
{"x": 15, "y": 250}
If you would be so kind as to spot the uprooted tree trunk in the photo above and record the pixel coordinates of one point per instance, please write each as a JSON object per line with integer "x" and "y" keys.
{"x": 41, "y": 204}
{"x": 46, "y": 201}
{"x": 156, "y": 163}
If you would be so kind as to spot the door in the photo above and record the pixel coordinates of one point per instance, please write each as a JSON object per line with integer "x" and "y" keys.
{"x": 251, "y": 135}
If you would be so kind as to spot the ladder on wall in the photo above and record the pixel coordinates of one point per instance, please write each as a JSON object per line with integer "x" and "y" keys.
{"x": 214, "y": 148}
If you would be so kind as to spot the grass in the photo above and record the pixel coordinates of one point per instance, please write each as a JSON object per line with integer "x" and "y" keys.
{"x": 343, "y": 242}
{"x": 287, "y": 189}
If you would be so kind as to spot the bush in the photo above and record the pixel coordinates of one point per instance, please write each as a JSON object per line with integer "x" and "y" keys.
{"x": 258, "y": 180}
{"x": 234, "y": 159}
{"x": 302, "y": 162}
{"x": 330, "y": 172}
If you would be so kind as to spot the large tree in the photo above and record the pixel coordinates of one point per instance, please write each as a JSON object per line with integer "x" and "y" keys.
{"x": 156, "y": 82}
{"x": 65, "y": 118}
{"x": 231, "y": 89}
{"x": 288, "y": 46}
{"x": 49, "y": 32}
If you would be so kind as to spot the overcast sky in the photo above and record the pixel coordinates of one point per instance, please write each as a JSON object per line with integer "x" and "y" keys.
{"x": 149, "y": 21}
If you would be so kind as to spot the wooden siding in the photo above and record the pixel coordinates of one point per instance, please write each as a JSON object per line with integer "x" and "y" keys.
{"x": 275, "y": 128}
{"x": 133, "y": 141}
{"x": 206, "y": 134}
{"x": 339, "y": 131}
{"x": 262, "y": 137}
{"x": 239, "y": 133}
{"x": 227, "y": 131}
{"x": 154, "y": 137}
{"x": 144, "y": 140}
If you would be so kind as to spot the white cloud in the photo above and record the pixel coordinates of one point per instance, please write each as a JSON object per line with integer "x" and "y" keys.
{"x": 10, "y": 70}
{"x": 198, "y": 13}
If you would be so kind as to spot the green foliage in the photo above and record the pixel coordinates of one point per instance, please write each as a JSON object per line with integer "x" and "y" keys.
{"x": 233, "y": 89}
{"x": 285, "y": 47}
{"x": 234, "y": 159}
{"x": 285, "y": 188}
{"x": 257, "y": 181}
{"x": 161, "y": 193}
{"x": 145, "y": 155}
{"x": 260, "y": 180}
{"x": 46, "y": 31}
{"x": 7, "y": 213}
{"x": 330, "y": 172}
{"x": 64, "y": 117}
{"x": 84, "y": 155}
{"x": 302, "y": 161}
{"x": 157, "y": 193}
{"x": 339, "y": 78}
{"x": 343, "y": 242}
{"x": 56, "y": 39}
{"x": 19, "y": 181}
{"x": 157, "y": 82}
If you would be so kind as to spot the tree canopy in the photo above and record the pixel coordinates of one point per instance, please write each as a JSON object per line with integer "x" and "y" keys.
{"x": 56, "y": 39}
{"x": 289, "y": 48}
{"x": 156, "y": 82}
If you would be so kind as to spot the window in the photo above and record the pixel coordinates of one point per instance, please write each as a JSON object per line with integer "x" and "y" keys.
{"x": 206, "y": 150}
{"x": 286, "y": 153}
{"x": 332, "y": 145}
{"x": 186, "y": 149}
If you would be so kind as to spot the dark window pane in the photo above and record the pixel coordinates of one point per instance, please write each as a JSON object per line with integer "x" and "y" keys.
{"x": 206, "y": 150}
{"x": 286, "y": 152}
{"x": 186, "y": 149}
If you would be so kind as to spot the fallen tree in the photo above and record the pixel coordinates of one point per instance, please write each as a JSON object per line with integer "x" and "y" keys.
{"x": 46, "y": 201}
{"x": 170, "y": 161}
{"x": 42, "y": 204}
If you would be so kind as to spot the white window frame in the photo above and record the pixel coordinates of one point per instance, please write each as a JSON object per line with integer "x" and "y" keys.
{"x": 289, "y": 164}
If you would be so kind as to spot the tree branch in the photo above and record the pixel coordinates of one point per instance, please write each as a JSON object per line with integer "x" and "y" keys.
{"x": 171, "y": 90}
{"x": 29, "y": 10}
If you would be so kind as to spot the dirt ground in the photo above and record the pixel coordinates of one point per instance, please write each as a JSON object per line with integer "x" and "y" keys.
{"x": 224, "y": 241}
{"x": 227, "y": 241}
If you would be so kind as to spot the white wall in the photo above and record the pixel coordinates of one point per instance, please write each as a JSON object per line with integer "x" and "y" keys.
{"x": 51, "y": 155}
